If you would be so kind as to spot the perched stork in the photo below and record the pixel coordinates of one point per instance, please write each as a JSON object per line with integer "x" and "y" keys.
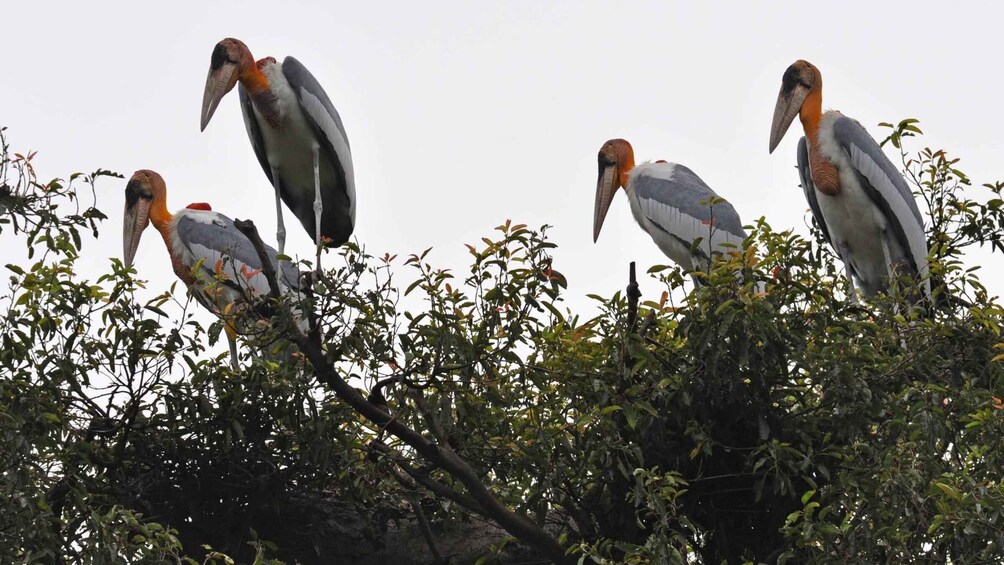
{"x": 297, "y": 136}
{"x": 669, "y": 202}
{"x": 860, "y": 201}
{"x": 217, "y": 263}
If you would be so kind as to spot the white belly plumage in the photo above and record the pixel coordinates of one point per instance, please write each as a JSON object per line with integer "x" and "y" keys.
{"x": 857, "y": 226}
{"x": 290, "y": 149}
{"x": 857, "y": 242}
{"x": 669, "y": 245}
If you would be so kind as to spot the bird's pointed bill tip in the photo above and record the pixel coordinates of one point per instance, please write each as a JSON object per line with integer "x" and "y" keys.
{"x": 219, "y": 82}
{"x": 788, "y": 105}
{"x": 137, "y": 216}
{"x": 208, "y": 109}
{"x": 605, "y": 189}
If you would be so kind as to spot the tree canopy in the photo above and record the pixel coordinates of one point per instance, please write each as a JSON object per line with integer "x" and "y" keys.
{"x": 468, "y": 415}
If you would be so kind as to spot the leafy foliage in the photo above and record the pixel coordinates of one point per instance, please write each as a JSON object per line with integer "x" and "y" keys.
{"x": 736, "y": 425}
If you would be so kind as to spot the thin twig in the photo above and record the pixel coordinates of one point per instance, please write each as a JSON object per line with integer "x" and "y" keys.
{"x": 430, "y": 419}
{"x": 647, "y": 324}
{"x": 307, "y": 285}
{"x": 423, "y": 526}
{"x": 423, "y": 523}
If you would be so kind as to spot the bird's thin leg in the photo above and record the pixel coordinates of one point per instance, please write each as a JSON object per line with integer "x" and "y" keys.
{"x": 890, "y": 267}
{"x": 280, "y": 232}
{"x": 317, "y": 205}
{"x": 888, "y": 262}
{"x": 850, "y": 282}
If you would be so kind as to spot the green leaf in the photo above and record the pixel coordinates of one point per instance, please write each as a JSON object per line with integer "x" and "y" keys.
{"x": 808, "y": 495}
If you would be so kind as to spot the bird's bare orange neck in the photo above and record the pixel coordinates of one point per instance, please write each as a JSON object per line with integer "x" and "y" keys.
{"x": 161, "y": 218}
{"x": 625, "y": 166}
{"x": 253, "y": 79}
{"x": 260, "y": 90}
{"x": 824, "y": 173}
{"x": 812, "y": 111}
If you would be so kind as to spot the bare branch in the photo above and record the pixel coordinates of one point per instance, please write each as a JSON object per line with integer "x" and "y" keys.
{"x": 518, "y": 525}
{"x": 428, "y": 482}
{"x": 633, "y": 294}
{"x": 249, "y": 230}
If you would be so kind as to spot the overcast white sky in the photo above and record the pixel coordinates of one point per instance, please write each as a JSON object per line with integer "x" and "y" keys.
{"x": 463, "y": 114}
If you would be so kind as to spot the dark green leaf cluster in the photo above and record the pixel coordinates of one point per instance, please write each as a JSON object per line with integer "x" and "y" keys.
{"x": 723, "y": 424}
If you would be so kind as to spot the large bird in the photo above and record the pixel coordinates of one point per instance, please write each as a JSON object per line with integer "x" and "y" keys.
{"x": 297, "y": 136}
{"x": 860, "y": 201}
{"x": 669, "y": 202}
{"x": 217, "y": 263}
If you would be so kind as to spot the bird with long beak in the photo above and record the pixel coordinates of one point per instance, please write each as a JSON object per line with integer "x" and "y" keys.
{"x": 671, "y": 203}
{"x": 862, "y": 204}
{"x": 297, "y": 136}
{"x": 217, "y": 263}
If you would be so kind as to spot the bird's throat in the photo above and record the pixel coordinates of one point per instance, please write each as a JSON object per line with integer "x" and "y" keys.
{"x": 824, "y": 174}
{"x": 268, "y": 106}
{"x": 262, "y": 96}
{"x": 161, "y": 220}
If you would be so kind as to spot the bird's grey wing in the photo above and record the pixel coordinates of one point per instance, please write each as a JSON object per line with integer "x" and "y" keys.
{"x": 886, "y": 187}
{"x": 679, "y": 203}
{"x": 325, "y": 121}
{"x": 254, "y": 132}
{"x": 223, "y": 249}
{"x": 805, "y": 176}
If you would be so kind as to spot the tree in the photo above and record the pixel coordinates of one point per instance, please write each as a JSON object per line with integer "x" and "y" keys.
{"x": 460, "y": 416}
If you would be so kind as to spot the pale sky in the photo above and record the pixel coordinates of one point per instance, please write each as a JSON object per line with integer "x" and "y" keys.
{"x": 464, "y": 114}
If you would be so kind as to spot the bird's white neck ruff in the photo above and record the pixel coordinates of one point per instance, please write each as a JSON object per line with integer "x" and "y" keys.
{"x": 661, "y": 170}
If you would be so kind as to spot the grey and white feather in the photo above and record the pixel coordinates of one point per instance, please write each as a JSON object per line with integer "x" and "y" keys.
{"x": 212, "y": 241}
{"x": 873, "y": 222}
{"x": 805, "y": 177}
{"x": 677, "y": 208}
{"x": 309, "y": 122}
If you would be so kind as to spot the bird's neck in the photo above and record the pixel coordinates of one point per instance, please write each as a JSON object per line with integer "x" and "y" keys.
{"x": 824, "y": 174}
{"x": 161, "y": 219}
{"x": 812, "y": 112}
{"x": 625, "y": 168}
{"x": 259, "y": 89}
{"x": 253, "y": 79}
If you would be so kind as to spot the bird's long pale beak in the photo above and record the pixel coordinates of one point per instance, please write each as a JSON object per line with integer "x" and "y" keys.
{"x": 219, "y": 82}
{"x": 137, "y": 216}
{"x": 606, "y": 187}
{"x": 788, "y": 105}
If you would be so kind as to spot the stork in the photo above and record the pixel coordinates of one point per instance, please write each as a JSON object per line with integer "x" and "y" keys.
{"x": 217, "y": 263}
{"x": 862, "y": 204}
{"x": 669, "y": 202}
{"x": 297, "y": 136}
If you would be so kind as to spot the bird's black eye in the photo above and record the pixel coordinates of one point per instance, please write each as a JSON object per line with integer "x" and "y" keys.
{"x": 791, "y": 76}
{"x": 134, "y": 191}
{"x": 606, "y": 159}
{"x": 220, "y": 56}
{"x": 795, "y": 77}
